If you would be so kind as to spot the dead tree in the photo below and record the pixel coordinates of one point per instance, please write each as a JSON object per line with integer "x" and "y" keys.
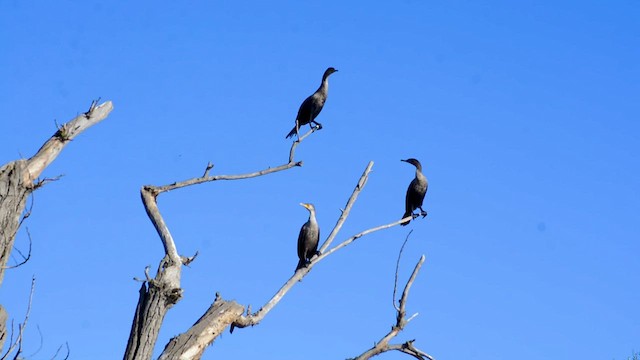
{"x": 19, "y": 178}
{"x": 159, "y": 294}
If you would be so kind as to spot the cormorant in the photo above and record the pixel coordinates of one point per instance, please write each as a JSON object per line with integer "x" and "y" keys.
{"x": 416, "y": 192}
{"x": 312, "y": 105}
{"x": 308, "y": 238}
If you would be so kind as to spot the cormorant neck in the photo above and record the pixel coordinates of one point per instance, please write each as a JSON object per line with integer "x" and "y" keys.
{"x": 312, "y": 216}
{"x": 324, "y": 86}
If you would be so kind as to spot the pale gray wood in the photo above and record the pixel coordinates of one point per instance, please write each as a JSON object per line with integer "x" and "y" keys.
{"x": 13, "y": 197}
{"x": 159, "y": 294}
{"x": 192, "y": 343}
{"x": 19, "y": 178}
{"x": 407, "y": 347}
{"x": 3, "y": 326}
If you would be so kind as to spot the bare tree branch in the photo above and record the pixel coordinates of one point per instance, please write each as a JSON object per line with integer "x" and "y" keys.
{"x": 24, "y": 258}
{"x": 67, "y": 132}
{"x": 407, "y": 347}
{"x": 192, "y": 343}
{"x": 164, "y": 290}
{"x": 27, "y": 213}
{"x": 18, "y": 179}
{"x": 206, "y": 178}
{"x": 60, "y": 348}
{"x": 347, "y": 209}
{"x": 254, "y": 319}
{"x": 40, "y": 345}
{"x": 358, "y": 236}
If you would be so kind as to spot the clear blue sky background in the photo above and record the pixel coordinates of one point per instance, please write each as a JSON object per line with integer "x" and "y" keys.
{"x": 524, "y": 114}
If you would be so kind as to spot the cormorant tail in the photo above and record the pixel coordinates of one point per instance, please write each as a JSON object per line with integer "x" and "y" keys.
{"x": 291, "y": 133}
{"x": 302, "y": 263}
{"x": 405, "y": 223}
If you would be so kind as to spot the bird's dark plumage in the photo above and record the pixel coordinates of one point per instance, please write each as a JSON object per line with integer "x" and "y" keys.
{"x": 312, "y": 105}
{"x": 415, "y": 192}
{"x": 308, "y": 238}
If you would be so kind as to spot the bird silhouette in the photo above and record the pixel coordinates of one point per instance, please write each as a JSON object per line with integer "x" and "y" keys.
{"x": 415, "y": 192}
{"x": 312, "y": 106}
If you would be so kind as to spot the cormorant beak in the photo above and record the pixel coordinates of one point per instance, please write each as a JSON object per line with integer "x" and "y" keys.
{"x": 403, "y": 160}
{"x": 306, "y": 206}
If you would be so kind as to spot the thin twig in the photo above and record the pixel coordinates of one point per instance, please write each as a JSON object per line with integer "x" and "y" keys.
{"x": 26, "y": 215}
{"x": 206, "y": 171}
{"x": 356, "y": 237}
{"x": 24, "y": 258}
{"x": 209, "y": 178}
{"x": 42, "y": 182}
{"x": 21, "y": 327}
{"x": 297, "y": 142}
{"x": 407, "y": 347}
{"x": 60, "y": 348}
{"x": 40, "y": 345}
{"x": 395, "y": 281}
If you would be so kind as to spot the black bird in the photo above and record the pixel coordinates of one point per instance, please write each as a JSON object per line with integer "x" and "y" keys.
{"x": 312, "y": 105}
{"x": 308, "y": 238}
{"x": 416, "y": 192}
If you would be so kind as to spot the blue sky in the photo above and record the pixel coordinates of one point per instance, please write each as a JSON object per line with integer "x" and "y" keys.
{"x": 524, "y": 115}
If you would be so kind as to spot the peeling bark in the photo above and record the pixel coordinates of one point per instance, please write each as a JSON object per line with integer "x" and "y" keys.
{"x": 191, "y": 344}
{"x": 13, "y": 197}
{"x": 157, "y": 296}
{"x": 3, "y": 324}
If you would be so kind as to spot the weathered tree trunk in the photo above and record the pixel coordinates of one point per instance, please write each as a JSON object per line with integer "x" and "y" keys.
{"x": 13, "y": 197}
{"x": 157, "y": 296}
{"x": 3, "y": 328}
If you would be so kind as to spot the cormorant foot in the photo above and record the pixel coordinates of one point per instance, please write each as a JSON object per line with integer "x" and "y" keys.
{"x": 414, "y": 216}
{"x": 424, "y": 214}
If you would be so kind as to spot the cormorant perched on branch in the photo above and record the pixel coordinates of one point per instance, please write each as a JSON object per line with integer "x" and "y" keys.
{"x": 312, "y": 105}
{"x": 308, "y": 238}
{"x": 416, "y": 192}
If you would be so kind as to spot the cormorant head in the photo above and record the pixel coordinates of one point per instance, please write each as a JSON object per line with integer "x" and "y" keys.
{"x": 309, "y": 207}
{"x": 414, "y": 162}
{"x": 328, "y": 72}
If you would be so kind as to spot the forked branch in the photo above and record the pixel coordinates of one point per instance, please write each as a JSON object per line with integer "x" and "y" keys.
{"x": 407, "y": 347}
{"x": 255, "y": 318}
{"x": 66, "y": 132}
{"x": 159, "y": 294}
